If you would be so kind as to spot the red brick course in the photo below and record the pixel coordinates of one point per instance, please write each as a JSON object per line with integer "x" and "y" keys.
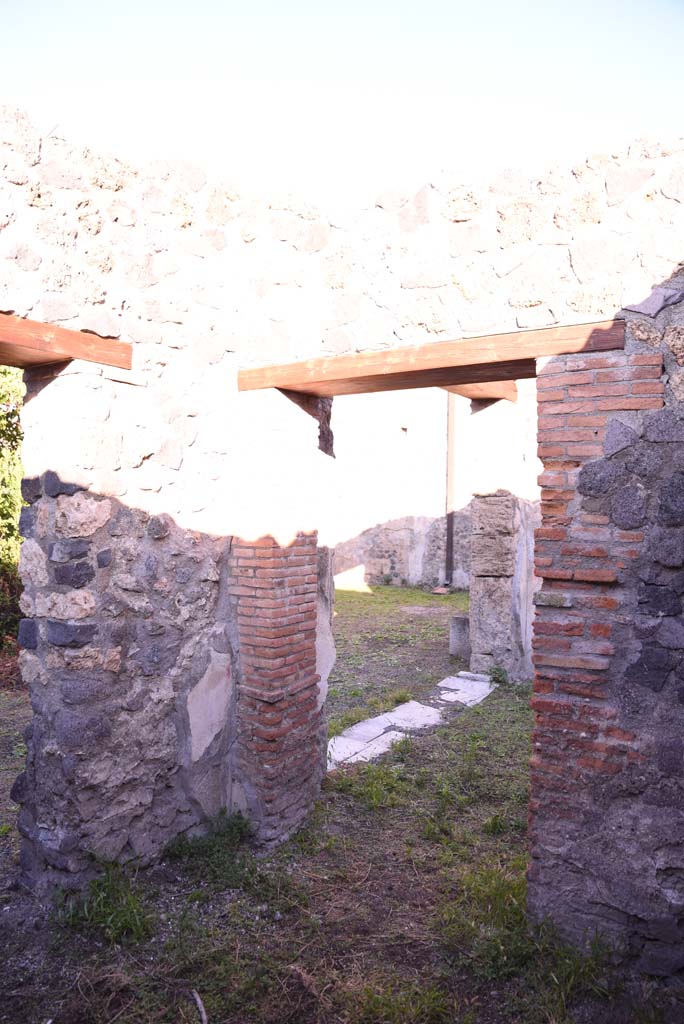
{"x": 580, "y": 555}
{"x": 279, "y": 722}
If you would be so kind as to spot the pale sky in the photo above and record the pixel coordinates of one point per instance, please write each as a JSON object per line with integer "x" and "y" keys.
{"x": 341, "y": 100}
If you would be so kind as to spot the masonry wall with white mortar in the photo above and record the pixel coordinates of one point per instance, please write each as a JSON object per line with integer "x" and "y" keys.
{"x": 170, "y": 673}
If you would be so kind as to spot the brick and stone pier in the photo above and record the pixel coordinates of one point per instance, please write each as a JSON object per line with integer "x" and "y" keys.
{"x": 607, "y": 811}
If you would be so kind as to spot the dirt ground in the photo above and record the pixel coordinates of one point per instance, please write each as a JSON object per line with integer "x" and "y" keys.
{"x": 401, "y": 902}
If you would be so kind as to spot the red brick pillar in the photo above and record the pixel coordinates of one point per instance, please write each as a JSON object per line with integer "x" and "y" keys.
{"x": 280, "y": 748}
{"x": 595, "y": 509}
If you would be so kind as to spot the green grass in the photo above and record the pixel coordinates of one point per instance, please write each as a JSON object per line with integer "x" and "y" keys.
{"x": 484, "y": 927}
{"x": 110, "y": 907}
{"x": 392, "y": 644}
{"x": 220, "y": 860}
{"x": 218, "y": 856}
{"x": 375, "y": 785}
{"x": 407, "y": 1004}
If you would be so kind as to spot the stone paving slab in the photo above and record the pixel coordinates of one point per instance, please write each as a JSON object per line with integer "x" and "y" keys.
{"x": 340, "y": 748}
{"x": 367, "y": 740}
{"x": 450, "y": 697}
{"x": 411, "y": 716}
{"x": 468, "y": 690}
{"x": 376, "y": 747}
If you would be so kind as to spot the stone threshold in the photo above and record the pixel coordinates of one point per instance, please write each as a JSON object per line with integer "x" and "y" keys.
{"x": 368, "y": 740}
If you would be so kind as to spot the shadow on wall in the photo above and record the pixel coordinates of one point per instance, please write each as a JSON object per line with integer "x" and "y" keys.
{"x": 172, "y": 674}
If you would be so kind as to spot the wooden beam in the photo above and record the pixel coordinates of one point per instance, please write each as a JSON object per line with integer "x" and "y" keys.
{"x": 488, "y": 391}
{"x": 440, "y": 364}
{"x": 30, "y": 343}
{"x": 443, "y": 376}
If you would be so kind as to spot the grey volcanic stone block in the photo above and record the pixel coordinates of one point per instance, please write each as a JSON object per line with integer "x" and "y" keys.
{"x": 664, "y": 426}
{"x": 651, "y": 668}
{"x": 27, "y": 522}
{"x": 659, "y": 600}
{"x": 619, "y": 435}
{"x": 31, "y": 489}
{"x": 597, "y": 478}
{"x": 671, "y": 511}
{"x": 628, "y": 507}
{"x": 667, "y": 547}
{"x": 27, "y": 636}
{"x": 155, "y": 658}
{"x": 671, "y": 634}
{"x": 66, "y": 550}
{"x": 158, "y": 527}
{"x": 70, "y": 634}
{"x": 54, "y": 486}
{"x": 80, "y": 732}
{"x": 76, "y": 689}
{"x": 104, "y": 558}
{"x": 645, "y": 460}
{"x": 74, "y": 574}
{"x": 659, "y": 298}
{"x": 670, "y": 756}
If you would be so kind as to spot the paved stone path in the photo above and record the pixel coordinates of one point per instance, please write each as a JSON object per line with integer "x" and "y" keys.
{"x": 367, "y": 740}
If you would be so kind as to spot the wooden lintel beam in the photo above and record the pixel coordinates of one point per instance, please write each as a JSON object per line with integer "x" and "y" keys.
{"x": 442, "y": 376}
{"x": 439, "y": 364}
{"x": 30, "y": 343}
{"x": 487, "y": 391}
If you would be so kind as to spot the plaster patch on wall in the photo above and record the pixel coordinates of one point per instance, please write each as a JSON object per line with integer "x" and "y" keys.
{"x": 325, "y": 649}
{"x": 208, "y": 704}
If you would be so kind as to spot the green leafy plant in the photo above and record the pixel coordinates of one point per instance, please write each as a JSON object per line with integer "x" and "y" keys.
{"x": 499, "y": 676}
{"x": 11, "y": 397}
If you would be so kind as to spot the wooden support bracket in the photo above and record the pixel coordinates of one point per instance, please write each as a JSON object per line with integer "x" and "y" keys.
{"x": 488, "y": 391}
